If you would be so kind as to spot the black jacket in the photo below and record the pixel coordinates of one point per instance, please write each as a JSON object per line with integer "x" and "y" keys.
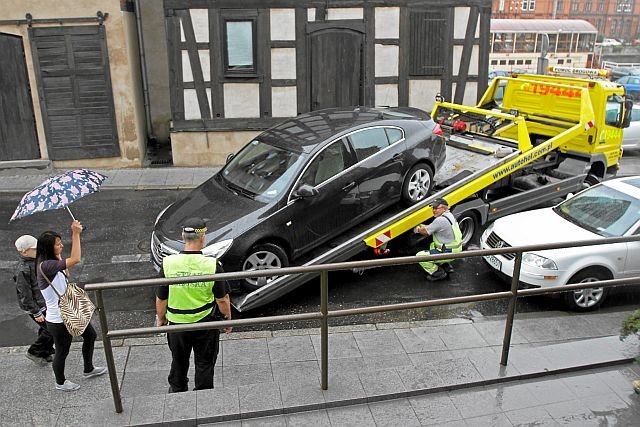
{"x": 30, "y": 298}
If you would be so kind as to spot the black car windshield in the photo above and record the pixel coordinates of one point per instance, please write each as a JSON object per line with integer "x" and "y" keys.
{"x": 262, "y": 171}
{"x": 601, "y": 210}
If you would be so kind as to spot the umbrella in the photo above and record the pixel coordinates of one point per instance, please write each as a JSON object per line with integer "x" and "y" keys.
{"x": 59, "y": 192}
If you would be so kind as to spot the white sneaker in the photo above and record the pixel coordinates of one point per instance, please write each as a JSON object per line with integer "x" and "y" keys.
{"x": 67, "y": 386}
{"x": 97, "y": 371}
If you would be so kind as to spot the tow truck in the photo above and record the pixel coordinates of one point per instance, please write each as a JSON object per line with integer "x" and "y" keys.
{"x": 530, "y": 139}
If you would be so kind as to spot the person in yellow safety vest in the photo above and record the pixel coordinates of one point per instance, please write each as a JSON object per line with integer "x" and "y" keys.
{"x": 447, "y": 237}
{"x": 192, "y": 303}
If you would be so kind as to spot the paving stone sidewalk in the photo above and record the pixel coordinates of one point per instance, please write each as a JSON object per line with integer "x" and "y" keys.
{"x": 419, "y": 373}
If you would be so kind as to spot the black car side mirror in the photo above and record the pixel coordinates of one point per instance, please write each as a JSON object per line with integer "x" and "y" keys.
{"x": 230, "y": 156}
{"x": 305, "y": 191}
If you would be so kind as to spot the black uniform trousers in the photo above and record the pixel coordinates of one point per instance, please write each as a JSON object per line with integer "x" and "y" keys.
{"x": 205, "y": 346}
{"x": 43, "y": 346}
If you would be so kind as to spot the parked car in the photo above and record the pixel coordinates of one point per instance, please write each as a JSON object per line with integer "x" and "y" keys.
{"x": 304, "y": 182}
{"x": 631, "y": 86}
{"x": 609, "y": 209}
{"x": 631, "y": 135}
{"x": 618, "y": 72}
{"x": 497, "y": 73}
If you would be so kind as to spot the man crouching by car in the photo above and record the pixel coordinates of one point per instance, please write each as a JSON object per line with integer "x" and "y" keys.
{"x": 192, "y": 303}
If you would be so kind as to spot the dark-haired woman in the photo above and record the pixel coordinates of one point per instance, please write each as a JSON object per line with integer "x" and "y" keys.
{"x": 55, "y": 268}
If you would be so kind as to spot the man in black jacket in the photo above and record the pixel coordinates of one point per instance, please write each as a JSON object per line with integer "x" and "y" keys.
{"x": 31, "y": 300}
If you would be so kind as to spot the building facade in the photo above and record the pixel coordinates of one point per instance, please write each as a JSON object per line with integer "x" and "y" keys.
{"x": 70, "y": 84}
{"x": 237, "y": 67}
{"x": 619, "y": 19}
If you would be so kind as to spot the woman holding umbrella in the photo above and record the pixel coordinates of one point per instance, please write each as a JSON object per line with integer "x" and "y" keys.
{"x": 55, "y": 268}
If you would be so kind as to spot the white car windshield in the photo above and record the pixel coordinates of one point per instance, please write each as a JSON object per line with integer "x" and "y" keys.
{"x": 601, "y": 210}
{"x": 262, "y": 171}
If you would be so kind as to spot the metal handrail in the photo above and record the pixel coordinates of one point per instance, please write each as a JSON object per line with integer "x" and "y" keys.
{"x": 325, "y": 314}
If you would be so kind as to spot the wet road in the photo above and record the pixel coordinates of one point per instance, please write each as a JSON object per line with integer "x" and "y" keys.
{"x": 119, "y": 224}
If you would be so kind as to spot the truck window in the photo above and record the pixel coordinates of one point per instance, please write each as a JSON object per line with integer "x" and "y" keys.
{"x": 614, "y": 111}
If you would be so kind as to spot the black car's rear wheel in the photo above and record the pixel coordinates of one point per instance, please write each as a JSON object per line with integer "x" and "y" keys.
{"x": 418, "y": 184}
{"x": 264, "y": 256}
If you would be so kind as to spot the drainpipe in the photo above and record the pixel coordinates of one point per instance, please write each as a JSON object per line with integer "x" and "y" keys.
{"x": 143, "y": 64}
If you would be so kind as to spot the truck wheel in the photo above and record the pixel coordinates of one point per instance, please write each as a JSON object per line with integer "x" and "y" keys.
{"x": 587, "y": 299}
{"x": 418, "y": 184}
{"x": 590, "y": 181}
{"x": 264, "y": 256}
{"x": 469, "y": 226}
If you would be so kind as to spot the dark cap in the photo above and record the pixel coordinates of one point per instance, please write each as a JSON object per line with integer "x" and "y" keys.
{"x": 439, "y": 201}
{"x": 194, "y": 225}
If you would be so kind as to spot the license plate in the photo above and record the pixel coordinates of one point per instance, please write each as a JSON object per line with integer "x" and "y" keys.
{"x": 495, "y": 262}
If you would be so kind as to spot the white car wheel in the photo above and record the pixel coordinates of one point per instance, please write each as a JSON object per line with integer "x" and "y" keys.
{"x": 587, "y": 299}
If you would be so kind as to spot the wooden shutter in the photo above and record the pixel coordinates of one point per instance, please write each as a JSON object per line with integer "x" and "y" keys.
{"x": 427, "y": 44}
{"x": 74, "y": 85}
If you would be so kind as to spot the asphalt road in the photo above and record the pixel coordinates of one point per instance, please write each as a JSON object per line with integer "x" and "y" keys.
{"x": 119, "y": 224}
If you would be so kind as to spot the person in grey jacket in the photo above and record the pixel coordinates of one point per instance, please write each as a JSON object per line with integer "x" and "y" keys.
{"x": 31, "y": 300}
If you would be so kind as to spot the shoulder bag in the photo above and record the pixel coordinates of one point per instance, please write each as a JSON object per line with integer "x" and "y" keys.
{"x": 75, "y": 306}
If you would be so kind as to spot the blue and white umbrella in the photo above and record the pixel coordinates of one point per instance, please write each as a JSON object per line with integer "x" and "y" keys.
{"x": 59, "y": 192}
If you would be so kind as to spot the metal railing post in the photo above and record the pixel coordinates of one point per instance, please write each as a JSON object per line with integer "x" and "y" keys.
{"x": 324, "y": 329}
{"x": 513, "y": 301}
{"x": 108, "y": 351}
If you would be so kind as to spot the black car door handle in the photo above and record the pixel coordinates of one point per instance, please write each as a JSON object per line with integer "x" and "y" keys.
{"x": 396, "y": 157}
{"x": 349, "y": 186}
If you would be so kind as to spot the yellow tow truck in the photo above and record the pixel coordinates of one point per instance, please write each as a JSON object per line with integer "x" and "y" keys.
{"x": 557, "y": 134}
{"x": 530, "y": 139}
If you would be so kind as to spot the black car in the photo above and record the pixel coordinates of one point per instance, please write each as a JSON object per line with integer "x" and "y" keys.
{"x": 305, "y": 181}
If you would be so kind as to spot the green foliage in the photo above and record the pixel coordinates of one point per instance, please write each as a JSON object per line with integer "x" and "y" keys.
{"x": 631, "y": 325}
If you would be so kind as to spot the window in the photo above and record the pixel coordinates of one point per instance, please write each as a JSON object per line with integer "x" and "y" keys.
{"x": 575, "y": 5}
{"x": 519, "y": 61}
{"x": 329, "y": 163}
{"x": 394, "y": 135}
{"x": 368, "y": 142}
{"x": 613, "y": 111}
{"x": 525, "y": 4}
{"x": 559, "y": 6}
{"x": 494, "y": 62}
{"x": 527, "y": 62}
{"x": 532, "y": 4}
{"x": 560, "y": 61}
{"x": 239, "y": 39}
{"x": 601, "y": 6}
{"x": 614, "y": 26}
{"x": 587, "y": 6}
{"x": 426, "y": 43}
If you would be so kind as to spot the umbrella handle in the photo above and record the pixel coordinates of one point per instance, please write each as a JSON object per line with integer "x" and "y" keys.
{"x": 69, "y": 210}
{"x": 84, "y": 227}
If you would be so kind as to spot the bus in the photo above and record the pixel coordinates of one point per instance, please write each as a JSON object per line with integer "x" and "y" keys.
{"x": 516, "y": 44}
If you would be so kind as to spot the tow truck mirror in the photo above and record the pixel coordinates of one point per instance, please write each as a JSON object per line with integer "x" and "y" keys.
{"x": 305, "y": 191}
{"x": 626, "y": 120}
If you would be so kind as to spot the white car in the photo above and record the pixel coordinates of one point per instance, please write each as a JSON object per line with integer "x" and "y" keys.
{"x": 631, "y": 135}
{"x": 609, "y": 209}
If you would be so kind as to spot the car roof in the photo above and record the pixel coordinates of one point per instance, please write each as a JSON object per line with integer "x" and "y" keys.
{"x": 629, "y": 185}
{"x": 306, "y": 131}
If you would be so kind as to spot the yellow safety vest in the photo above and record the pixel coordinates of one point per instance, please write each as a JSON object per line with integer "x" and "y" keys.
{"x": 456, "y": 245}
{"x": 189, "y": 302}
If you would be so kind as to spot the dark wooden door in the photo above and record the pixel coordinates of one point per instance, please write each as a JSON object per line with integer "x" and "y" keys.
{"x": 74, "y": 85}
{"x": 18, "y": 139}
{"x": 336, "y": 61}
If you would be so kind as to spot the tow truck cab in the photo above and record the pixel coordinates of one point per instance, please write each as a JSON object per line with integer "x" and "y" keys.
{"x": 553, "y": 102}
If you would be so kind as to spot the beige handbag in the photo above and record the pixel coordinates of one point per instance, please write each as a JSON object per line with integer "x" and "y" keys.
{"x": 75, "y": 306}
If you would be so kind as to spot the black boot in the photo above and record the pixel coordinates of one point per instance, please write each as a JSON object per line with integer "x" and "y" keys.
{"x": 439, "y": 274}
{"x": 447, "y": 267}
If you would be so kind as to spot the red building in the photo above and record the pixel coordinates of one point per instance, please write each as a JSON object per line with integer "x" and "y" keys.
{"x": 618, "y": 19}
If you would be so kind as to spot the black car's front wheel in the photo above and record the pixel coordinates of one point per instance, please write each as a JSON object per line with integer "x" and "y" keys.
{"x": 417, "y": 184}
{"x": 264, "y": 256}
